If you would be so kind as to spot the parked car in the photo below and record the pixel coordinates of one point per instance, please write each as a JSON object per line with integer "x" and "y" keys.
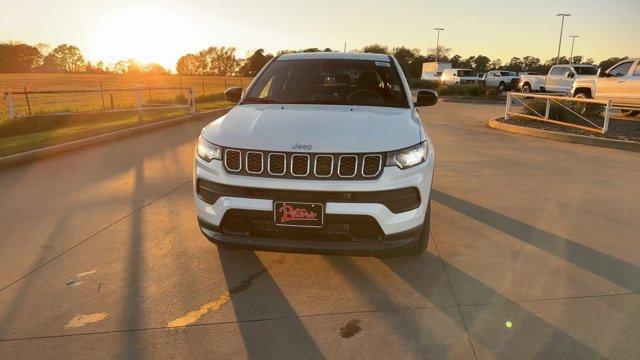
{"x": 323, "y": 152}
{"x": 458, "y": 76}
{"x": 501, "y": 79}
{"x": 559, "y": 79}
{"x": 620, "y": 84}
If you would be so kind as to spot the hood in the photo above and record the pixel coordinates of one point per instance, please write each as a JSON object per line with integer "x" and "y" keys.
{"x": 325, "y": 128}
{"x": 585, "y": 79}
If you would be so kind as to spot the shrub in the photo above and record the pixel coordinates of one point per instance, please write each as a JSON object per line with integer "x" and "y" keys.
{"x": 465, "y": 90}
{"x": 422, "y": 84}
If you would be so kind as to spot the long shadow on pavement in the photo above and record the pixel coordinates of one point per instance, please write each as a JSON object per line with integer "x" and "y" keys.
{"x": 132, "y": 304}
{"x": 414, "y": 333}
{"x": 533, "y": 337}
{"x": 288, "y": 338}
{"x": 7, "y": 321}
{"x": 613, "y": 269}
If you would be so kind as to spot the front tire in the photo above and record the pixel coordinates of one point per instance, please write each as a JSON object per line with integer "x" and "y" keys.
{"x": 501, "y": 86}
{"x": 420, "y": 245}
{"x": 586, "y": 109}
{"x": 526, "y": 88}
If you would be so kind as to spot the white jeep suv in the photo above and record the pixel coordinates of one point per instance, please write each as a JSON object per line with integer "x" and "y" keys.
{"x": 324, "y": 152}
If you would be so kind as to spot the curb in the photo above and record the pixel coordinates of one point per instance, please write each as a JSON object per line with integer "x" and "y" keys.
{"x": 35, "y": 154}
{"x": 570, "y": 138}
{"x": 474, "y": 100}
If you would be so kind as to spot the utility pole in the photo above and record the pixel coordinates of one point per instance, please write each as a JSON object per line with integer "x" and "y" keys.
{"x": 437, "y": 43}
{"x": 573, "y": 40}
{"x": 560, "y": 41}
{"x": 345, "y": 47}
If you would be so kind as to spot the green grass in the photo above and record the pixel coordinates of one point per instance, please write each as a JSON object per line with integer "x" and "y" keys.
{"x": 26, "y": 134}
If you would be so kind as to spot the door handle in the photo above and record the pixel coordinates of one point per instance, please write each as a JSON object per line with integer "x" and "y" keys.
{"x": 621, "y": 82}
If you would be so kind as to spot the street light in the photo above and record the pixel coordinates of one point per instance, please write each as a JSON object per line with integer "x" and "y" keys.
{"x": 560, "y": 42}
{"x": 437, "y": 43}
{"x": 573, "y": 40}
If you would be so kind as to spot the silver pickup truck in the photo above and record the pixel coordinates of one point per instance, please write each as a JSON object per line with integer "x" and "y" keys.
{"x": 559, "y": 80}
{"x": 620, "y": 84}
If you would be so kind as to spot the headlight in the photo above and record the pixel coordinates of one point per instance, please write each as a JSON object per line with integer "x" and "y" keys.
{"x": 409, "y": 157}
{"x": 208, "y": 151}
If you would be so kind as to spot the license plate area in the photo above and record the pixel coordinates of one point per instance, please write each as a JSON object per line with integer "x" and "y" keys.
{"x": 297, "y": 214}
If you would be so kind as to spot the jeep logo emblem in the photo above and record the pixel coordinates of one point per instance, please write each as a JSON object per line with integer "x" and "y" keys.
{"x": 297, "y": 146}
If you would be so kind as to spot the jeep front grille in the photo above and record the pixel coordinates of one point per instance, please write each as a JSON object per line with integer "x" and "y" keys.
{"x": 304, "y": 165}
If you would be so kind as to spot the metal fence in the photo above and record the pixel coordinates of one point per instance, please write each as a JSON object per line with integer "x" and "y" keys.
{"x": 138, "y": 90}
{"x": 579, "y": 112}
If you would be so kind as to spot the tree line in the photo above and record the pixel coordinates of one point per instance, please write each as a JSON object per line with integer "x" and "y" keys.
{"x": 222, "y": 61}
{"x": 411, "y": 60}
{"x": 22, "y": 58}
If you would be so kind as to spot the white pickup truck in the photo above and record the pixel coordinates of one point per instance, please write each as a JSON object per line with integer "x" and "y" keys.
{"x": 620, "y": 84}
{"x": 500, "y": 79}
{"x": 559, "y": 79}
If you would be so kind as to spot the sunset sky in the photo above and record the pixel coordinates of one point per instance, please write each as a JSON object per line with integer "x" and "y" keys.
{"x": 161, "y": 31}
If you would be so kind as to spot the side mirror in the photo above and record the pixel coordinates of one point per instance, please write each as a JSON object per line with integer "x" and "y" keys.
{"x": 569, "y": 75}
{"x": 603, "y": 74}
{"x": 233, "y": 94}
{"x": 426, "y": 98}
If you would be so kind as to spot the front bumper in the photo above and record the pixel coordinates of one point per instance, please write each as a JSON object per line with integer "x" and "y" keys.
{"x": 396, "y": 227}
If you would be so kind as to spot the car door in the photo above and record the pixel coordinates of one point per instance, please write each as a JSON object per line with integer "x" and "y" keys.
{"x": 552, "y": 83}
{"x": 567, "y": 77}
{"x": 610, "y": 86}
{"x": 493, "y": 79}
{"x": 631, "y": 86}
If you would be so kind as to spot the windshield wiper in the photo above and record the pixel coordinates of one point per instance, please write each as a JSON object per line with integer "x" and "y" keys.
{"x": 259, "y": 100}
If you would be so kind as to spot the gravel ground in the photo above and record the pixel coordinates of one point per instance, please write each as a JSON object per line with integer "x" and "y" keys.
{"x": 627, "y": 130}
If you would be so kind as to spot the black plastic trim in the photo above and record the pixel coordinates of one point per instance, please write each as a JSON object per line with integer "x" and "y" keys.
{"x": 396, "y": 200}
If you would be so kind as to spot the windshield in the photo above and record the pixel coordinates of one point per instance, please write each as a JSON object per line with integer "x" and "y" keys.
{"x": 333, "y": 82}
{"x": 465, "y": 73}
{"x": 586, "y": 70}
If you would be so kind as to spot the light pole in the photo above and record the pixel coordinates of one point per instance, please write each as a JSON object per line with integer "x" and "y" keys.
{"x": 560, "y": 42}
{"x": 573, "y": 40}
{"x": 437, "y": 43}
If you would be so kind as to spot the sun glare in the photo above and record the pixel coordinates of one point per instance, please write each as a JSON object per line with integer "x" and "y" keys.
{"x": 147, "y": 34}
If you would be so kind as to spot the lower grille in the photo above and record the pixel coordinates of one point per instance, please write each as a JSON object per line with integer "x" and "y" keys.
{"x": 339, "y": 228}
{"x": 397, "y": 200}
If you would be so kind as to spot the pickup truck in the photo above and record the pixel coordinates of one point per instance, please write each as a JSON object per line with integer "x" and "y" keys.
{"x": 458, "y": 76}
{"x": 559, "y": 79}
{"x": 620, "y": 84}
{"x": 500, "y": 79}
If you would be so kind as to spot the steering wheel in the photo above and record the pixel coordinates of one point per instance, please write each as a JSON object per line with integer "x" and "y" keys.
{"x": 358, "y": 95}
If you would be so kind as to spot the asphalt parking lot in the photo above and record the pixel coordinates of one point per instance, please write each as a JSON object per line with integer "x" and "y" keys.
{"x": 534, "y": 253}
